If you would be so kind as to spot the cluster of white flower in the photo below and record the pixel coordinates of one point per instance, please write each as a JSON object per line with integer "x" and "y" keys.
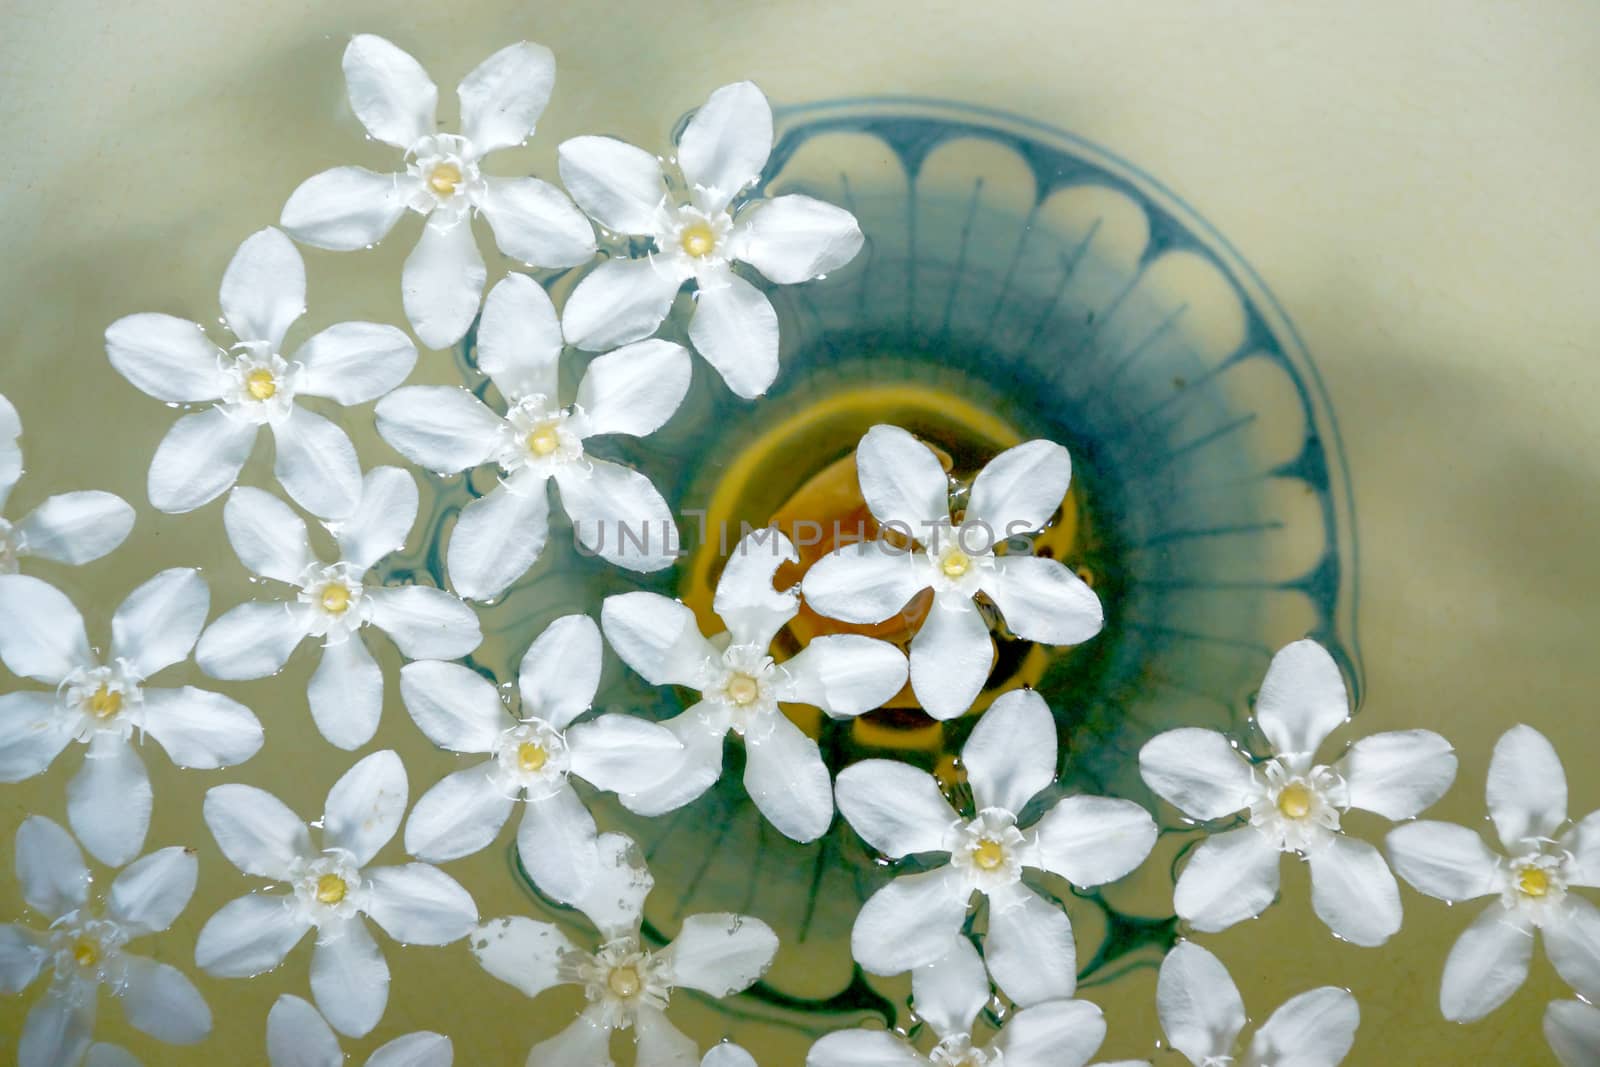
{"x": 974, "y": 912}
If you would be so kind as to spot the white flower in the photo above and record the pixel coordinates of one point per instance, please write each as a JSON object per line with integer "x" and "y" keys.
{"x": 740, "y": 686}
{"x": 298, "y": 1036}
{"x": 254, "y": 384}
{"x": 627, "y": 985}
{"x": 103, "y": 702}
{"x": 352, "y": 207}
{"x": 909, "y": 493}
{"x": 615, "y": 511}
{"x": 1573, "y": 1029}
{"x": 329, "y": 889}
{"x": 531, "y": 759}
{"x": 1202, "y": 1016}
{"x": 66, "y": 528}
{"x": 695, "y": 235}
{"x": 333, "y": 603}
{"x": 1531, "y": 882}
{"x": 1009, "y": 758}
{"x": 948, "y": 994}
{"x": 84, "y": 948}
{"x": 1295, "y": 804}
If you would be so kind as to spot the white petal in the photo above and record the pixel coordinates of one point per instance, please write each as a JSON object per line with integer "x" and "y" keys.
{"x": 152, "y": 891}
{"x": 1398, "y": 774}
{"x": 161, "y": 1001}
{"x": 845, "y": 674}
{"x": 57, "y": 1031}
{"x": 863, "y": 582}
{"x": 660, "y": 1044}
{"x": 1573, "y": 1030}
{"x": 316, "y": 464}
{"x": 1011, "y": 754}
{"x": 442, "y": 428}
{"x": 297, "y": 1036}
{"x": 1029, "y": 947}
{"x": 1487, "y": 964}
{"x": 784, "y": 775}
{"x": 615, "y": 904}
{"x": 519, "y": 339}
{"x": 560, "y": 671}
{"x": 350, "y": 980}
{"x": 505, "y": 95}
{"x": 460, "y": 815}
{"x": 556, "y": 840}
{"x": 421, "y": 1049}
{"x": 621, "y": 300}
{"x": 902, "y": 481}
{"x": 1062, "y": 1033}
{"x": 1093, "y": 840}
{"x": 618, "y": 515}
{"x": 746, "y": 599}
{"x": 863, "y": 1048}
{"x": 895, "y": 807}
{"x": 720, "y": 954}
{"x": 1444, "y": 860}
{"x": 365, "y": 806}
{"x": 158, "y": 623}
{"x": 50, "y": 868}
{"x": 727, "y": 1055}
{"x": 1231, "y": 877}
{"x": 267, "y": 535}
{"x": 252, "y": 640}
{"x": 166, "y": 357}
{"x": 1353, "y": 891}
{"x": 1572, "y": 941}
{"x": 250, "y": 935}
{"x": 22, "y": 957}
{"x": 1042, "y": 600}
{"x": 383, "y": 517}
{"x": 951, "y": 657}
{"x": 1197, "y": 771}
{"x": 109, "y": 801}
{"x": 536, "y": 223}
{"x": 103, "y": 1055}
{"x": 584, "y": 1043}
{"x": 33, "y": 731}
{"x": 346, "y": 693}
{"x": 76, "y": 527}
{"x": 621, "y": 753}
{"x": 1018, "y": 490}
{"x": 522, "y": 953}
{"x": 353, "y": 362}
{"x": 796, "y": 238}
{"x": 1314, "y": 1029}
{"x": 201, "y": 729}
{"x": 426, "y": 623}
{"x": 455, "y": 706}
{"x": 656, "y": 636}
{"x": 909, "y": 922}
{"x": 41, "y": 633}
{"x": 1527, "y": 787}
{"x": 1302, "y": 699}
{"x": 635, "y": 389}
{"x": 1582, "y": 841}
{"x": 256, "y": 831}
{"x": 442, "y": 282}
{"x": 264, "y": 288}
{"x": 950, "y": 992}
{"x": 697, "y": 767}
{"x": 418, "y": 904}
{"x": 1200, "y": 1008}
{"x": 198, "y": 460}
{"x": 727, "y": 142}
{"x": 346, "y": 208}
{"x": 620, "y": 186}
{"x": 498, "y": 537}
{"x": 10, "y": 453}
{"x": 735, "y": 328}
{"x": 389, "y": 91}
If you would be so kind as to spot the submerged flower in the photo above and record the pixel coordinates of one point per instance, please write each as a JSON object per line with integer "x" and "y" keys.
{"x": 1531, "y": 881}
{"x": 329, "y": 889}
{"x": 531, "y": 759}
{"x": 1573, "y": 1029}
{"x": 1295, "y": 804}
{"x": 298, "y": 1036}
{"x": 1009, "y": 758}
{"x": 627, "y": 986}
{"x": 66, "y": 528}
{"x": 85, "y": 948}
{"x": 347, "y": 208}
{"x": 1202, "y": 1015}
{"x": 909, "y": 494}
{"x": 695, "y": 234}
{"x": 333, "y": 602}
{"x": 740, "y": 687}
{"x": 104, "y": 702}
{"x": 615, "y": 511}
{"x": 255, "y": 384}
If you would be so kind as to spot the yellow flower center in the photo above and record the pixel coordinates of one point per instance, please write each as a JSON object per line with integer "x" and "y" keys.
{"x": 86, "y": 952}
{"x": 261, "y": 384}
{"x": 955, "y": 563}
{"x": 335, "y": 599}
{"x": 531, "y": 756}
{"x": 1295, "y": 801}
{"x": 1533, "y": 882}
{"x": 544, "y": 439}
{"x": 624, "y": 981}
{"x": 698, "y": 239}
{"x": 743, "y": 690}
{"x": 444, "y": 179}
{"x": 331, "y": 889}
{"x": 989, "y": 855}
{"x": 105, "y": 703}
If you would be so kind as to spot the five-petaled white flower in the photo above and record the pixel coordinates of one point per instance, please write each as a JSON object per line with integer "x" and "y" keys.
{"x": 1531, "y": 881}
{"x": 908, "y": 493}
{"x": 253, "y": 384}
{"x": 66, "y": 528}
{"x": 615, "y": 511}
{"x": 84, "y": 948}
{"x": 1202, "y": 1015}
{"x": 627, "y": 985}
{"x": 103, "y": 702}
{"x": 347, "y": 208}
{"x": 531, "y": 757}
{"x": 1295, "y": 804}
{"x": 298, "y": 1036}
{"x": 1572, "y": 1027}
{"x": 740, "y": 686}
{"x": 1009, "y": 758}
{"x": 695, "y": 235}
{"x": 329, "y": 889}
{"x": 333, "y": 602}
{"x": 948, "y": 994}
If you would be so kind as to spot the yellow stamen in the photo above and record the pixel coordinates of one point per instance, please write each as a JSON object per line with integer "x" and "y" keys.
{"x": 105, "y": 703}
{"x": 698, "y": 239}
{"x": 1533, "y": 881}
{"x": 624, "y": 982}
{"x": 955, "y": 563}
{"x": 531, "y": 756}
{"x": 989, "y": 855}
{"x": 335, "y": 599}
{"x": 261, "y": 384}
{"x": 1295, "y": 801}
{"x": 86, "y": 952}
{"x": 444, "y": 179}
{"x": 544, "y": 439}
{"x": 331, "y": 889}
{"x": 743, "y": 690}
